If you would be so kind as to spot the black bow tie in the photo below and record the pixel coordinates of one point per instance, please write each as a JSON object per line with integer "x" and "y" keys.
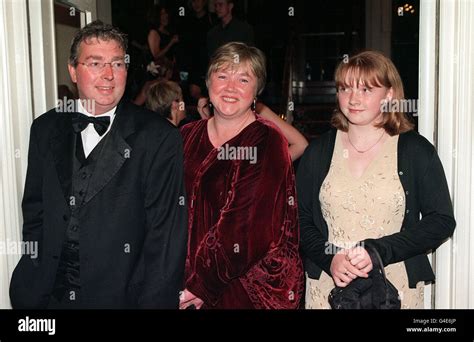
{"x": 81, "y": 121}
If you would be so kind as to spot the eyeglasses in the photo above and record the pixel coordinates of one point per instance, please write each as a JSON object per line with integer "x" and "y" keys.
{"x": 97, "y": 67}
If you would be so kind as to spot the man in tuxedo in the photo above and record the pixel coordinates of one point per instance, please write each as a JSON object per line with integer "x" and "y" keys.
{"x": 104, "y": 194}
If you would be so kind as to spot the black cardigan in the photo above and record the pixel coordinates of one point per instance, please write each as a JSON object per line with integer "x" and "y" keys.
{"x": 426, "y": 192}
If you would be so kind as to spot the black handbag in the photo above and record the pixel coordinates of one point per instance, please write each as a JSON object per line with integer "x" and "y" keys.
{"x": 374, "y": 292}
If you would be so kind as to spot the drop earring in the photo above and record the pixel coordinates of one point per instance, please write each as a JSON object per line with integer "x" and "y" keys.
{"x": 211, "y": 108}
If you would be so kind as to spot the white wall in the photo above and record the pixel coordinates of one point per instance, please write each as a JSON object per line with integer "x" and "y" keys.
{"x": 42, "y": 47}
{"x": 16, "y": 114}
{"x": 455, "y": 146}
{"x": 446, "y": 110}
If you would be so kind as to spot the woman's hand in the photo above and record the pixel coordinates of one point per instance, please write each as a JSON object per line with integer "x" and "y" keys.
{"x": 187, "y": 299}
{"x": 342, "y": 269}
{"x": 359, "y": 258}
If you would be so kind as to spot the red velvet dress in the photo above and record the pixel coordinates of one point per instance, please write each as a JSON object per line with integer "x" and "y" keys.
{"x": 243, "y": 225}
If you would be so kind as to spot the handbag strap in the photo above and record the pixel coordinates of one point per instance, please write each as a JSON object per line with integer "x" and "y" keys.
{"x": 378, "y": 258}
{"x": 373, "y": 253}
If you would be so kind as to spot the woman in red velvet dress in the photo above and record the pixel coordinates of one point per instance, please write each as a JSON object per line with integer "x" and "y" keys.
{"x": 243, "y": 226}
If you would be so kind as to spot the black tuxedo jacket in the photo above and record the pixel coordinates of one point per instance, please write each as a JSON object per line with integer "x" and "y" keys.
{"x": 133, "y": 220}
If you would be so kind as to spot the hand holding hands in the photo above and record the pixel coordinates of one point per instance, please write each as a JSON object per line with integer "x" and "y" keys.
{"x": 349, "y": 264}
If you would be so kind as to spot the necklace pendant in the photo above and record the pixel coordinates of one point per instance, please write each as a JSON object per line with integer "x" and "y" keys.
{"x": 367, "y": 150}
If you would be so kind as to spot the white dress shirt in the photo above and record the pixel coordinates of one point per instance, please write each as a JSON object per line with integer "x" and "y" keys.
{"x": 90, "y": 137}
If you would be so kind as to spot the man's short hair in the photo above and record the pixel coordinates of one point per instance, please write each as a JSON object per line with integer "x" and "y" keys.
{"x": 99, "y": 30}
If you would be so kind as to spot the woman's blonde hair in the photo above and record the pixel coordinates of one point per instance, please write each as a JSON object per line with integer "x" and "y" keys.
{"x": 161, "y": 95}
{"x": 234, "y": 53}
{"x": 372, "y": 68}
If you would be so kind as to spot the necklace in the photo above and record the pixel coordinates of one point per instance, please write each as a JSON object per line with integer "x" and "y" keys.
{"x": 371, "y": 147}
{"x": 241, "y": 126}
{"x": 243, "y": 123}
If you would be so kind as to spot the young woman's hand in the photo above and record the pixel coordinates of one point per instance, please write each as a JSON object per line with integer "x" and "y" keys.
{"x": 359, "y": 258}
{"x": 342, "y": 269}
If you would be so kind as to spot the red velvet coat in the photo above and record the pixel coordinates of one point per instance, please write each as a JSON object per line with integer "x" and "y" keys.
{"x": 243, "y": 225}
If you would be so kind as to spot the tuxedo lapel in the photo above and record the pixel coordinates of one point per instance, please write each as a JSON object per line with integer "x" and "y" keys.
{"x": 62, "y": 148}
{"x": 114, "y": 152}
